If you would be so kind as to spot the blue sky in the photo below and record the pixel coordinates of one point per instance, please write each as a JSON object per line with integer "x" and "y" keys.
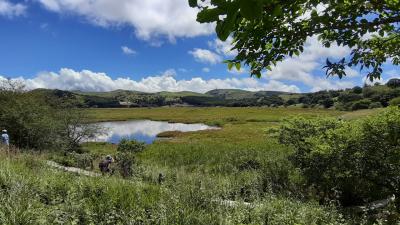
{"x": 151, "y": 46}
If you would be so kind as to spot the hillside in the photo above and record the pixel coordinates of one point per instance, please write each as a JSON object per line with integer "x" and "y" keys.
{"x": 241, "y": 94}
{"x": 376, "y": 96}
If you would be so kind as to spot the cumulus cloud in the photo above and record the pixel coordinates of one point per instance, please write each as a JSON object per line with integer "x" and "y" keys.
{"x": 127, "y": 51}
{"x": 223, "y": 47}
{"x": 351, "y": 72}
{"x": 86, "y": 80}
{"x": 238, "y": 72}
{"x": 205, "y": 56}
{"x": 10, "y": 10}
{"x": 150, "y": 19}
{"x": 301, "y": 68}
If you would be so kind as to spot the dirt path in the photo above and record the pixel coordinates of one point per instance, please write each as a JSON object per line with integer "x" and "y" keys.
{"x": 72, "y": 169}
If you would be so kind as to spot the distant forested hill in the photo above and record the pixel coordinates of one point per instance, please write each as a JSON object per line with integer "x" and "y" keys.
{"x": 374, "y": 96}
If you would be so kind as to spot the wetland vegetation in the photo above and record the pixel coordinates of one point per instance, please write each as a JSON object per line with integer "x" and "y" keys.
{"x": 240, "y": 174}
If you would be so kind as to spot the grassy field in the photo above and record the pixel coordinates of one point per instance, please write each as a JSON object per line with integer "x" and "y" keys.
{"x": 244, "y": 135}
{"x": 240, "y": 162}
{"x": 243, "y": 139}
{"x": 209, "y": 115}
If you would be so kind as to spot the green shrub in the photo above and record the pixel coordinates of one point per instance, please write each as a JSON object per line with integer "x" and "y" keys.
{"x": 327, "y": 103}
{"x": 349, "y": 97}
{"x": 126, "y": 156}
{"x": 132, "y": 146}
{"x": 395, "y": 102}
{"x": 357, "y": 90}
{"x": 125, "y": 162}
{"x": 361, "y": 104}
{"x": 353, "y": 162}
{"x": 375, "y": 105}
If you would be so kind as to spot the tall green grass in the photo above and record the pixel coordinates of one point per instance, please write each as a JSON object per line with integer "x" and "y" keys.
{"x": 31, "y": 193}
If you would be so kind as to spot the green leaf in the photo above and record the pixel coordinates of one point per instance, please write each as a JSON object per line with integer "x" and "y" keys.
{"x": 209, "y": 15}
{"x": 192, "y": 3}
{"x": 314, "y": 13}
{"x": 277, "y": 11}
{"x": 225, "y": 27}
{"x": 381, "y": 33}
{"x": 230, "y": 65}
{"x": 250, "y": 9}
{"x": 218, "y": 2}
{"x": 238, "y": 65}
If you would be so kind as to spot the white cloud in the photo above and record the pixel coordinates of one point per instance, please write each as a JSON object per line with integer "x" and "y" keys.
{"x": 237, "y": 72}
{"x": 10, "y": 10}
{"x": 301, "y": 68}
{"x": 205, "y": 56}
{"x": 68, "y": 79}
{"x": 392, "y": 73}
{"x": 223, "y": 47}
{"x": 151, "y": 19}
{"x": 127, "y": 51}
{"x": 206, "y": 70}
{"x": 351, "y": 72}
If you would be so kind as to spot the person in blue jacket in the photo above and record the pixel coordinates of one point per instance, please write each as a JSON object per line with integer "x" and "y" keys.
{"x": 5, "y": 139}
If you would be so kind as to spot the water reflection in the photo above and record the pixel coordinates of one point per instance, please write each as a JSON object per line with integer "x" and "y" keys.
{"x": 142, "y": 130}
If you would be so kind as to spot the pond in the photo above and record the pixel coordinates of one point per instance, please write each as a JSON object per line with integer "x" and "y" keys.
{"x": 142, "y": 130}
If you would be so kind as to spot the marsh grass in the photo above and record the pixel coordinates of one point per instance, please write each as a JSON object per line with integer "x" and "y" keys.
{"x": 240, "y": 163}
{"x": 208, "y": 115}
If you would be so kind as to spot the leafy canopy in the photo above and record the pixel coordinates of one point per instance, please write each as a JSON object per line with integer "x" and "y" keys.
{"x": 266, "y": 31}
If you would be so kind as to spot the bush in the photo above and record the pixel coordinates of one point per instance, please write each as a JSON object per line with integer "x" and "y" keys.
{"x": 292, "y": 101}
{"x": 393, "y": 83}
{"x": 327, "y": 103}
{"x": 349, "y": 97}
{"x": 125, "y": 162}
{"x": 353, "y": 162}
{"x": 375, "y": 105}
{"x": 362, "y": 104}
{"x": 357, "y": 90}
{"x": 395, "y": 102}
{"x": 126, "y": 156}
{"x": 132, "y": 146}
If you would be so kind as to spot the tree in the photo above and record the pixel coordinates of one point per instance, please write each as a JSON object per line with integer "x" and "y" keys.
{"x": 357, "y": 90}
{"x": 37, "y": 121}
{"x": 265, "y": 32}
{"x": 393, "y": 83}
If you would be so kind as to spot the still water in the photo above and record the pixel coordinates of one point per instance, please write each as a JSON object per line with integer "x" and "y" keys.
{"x": 142, "y": 130}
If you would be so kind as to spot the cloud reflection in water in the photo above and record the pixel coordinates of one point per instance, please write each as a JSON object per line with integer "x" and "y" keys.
{"x": 142, "y": 130}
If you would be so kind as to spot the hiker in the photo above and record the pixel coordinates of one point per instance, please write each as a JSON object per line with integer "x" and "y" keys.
{"x": 105, "y": 164}
{"x": 5, "y": 139}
